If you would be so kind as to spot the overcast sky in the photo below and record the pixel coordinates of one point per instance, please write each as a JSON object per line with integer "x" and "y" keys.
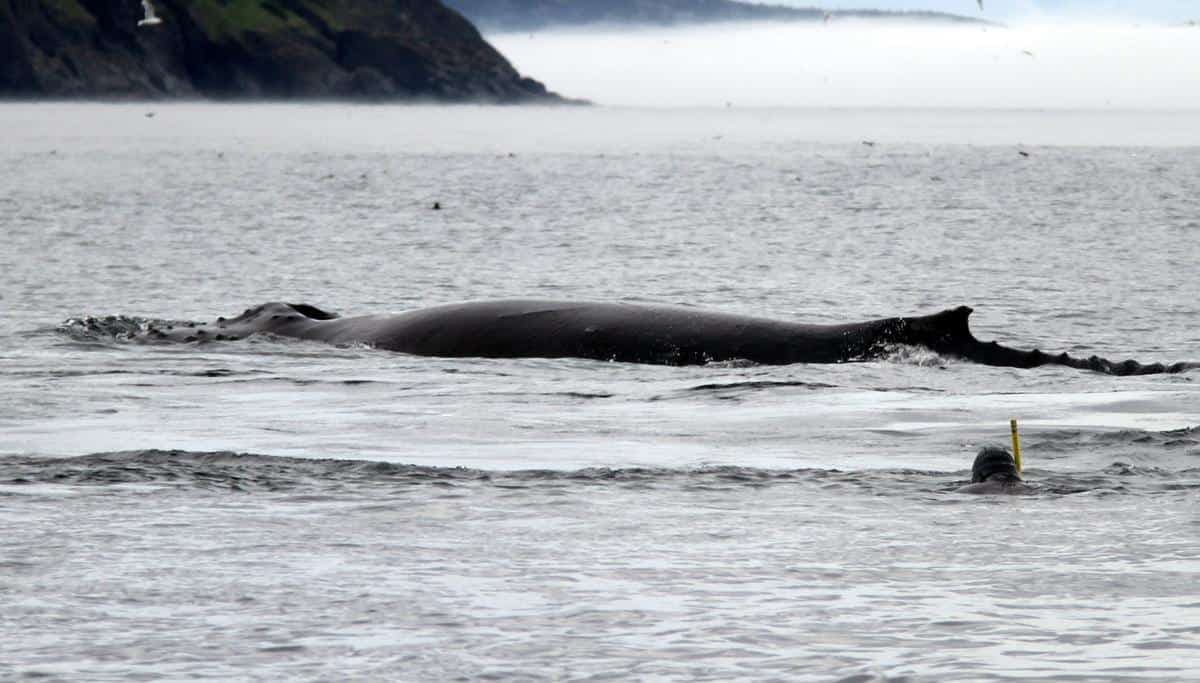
{"x": 1010, "y": 10}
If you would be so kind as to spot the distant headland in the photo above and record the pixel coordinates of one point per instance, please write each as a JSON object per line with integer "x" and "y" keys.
{"x": 240, "y": 49}
{"x": 531, "y": 15}
{"x": 317, "y": 49}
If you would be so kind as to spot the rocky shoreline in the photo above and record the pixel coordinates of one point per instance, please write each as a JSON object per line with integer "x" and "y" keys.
{"x": 246, "y": 49}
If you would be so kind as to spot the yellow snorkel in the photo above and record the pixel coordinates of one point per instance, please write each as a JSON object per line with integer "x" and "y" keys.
{"x": 1016, "y": 439}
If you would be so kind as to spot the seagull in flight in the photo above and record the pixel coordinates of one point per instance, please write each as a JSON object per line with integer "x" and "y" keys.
{"x": 151, "y": 19}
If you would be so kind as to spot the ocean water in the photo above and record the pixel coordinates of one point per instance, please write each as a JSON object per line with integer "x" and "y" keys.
{"x": 268, "y": 508}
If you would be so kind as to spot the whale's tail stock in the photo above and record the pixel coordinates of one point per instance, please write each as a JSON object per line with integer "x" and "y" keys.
{"x": 949, "y": 333}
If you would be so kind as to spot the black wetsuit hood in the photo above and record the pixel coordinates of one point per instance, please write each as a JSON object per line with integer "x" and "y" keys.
{"x": 994, "y": 462}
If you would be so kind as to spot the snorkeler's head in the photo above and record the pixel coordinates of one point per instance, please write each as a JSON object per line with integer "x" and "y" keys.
{"x": 994, "y": 462}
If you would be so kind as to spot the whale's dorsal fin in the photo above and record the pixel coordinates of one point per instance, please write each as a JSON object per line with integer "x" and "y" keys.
{"x": 310, "y": 311}
{"x": 947, "y": 331}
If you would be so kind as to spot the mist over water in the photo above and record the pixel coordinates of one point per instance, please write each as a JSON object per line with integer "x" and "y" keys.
{"x": 1170, "y": 11}
{"x": 856, "y": 63}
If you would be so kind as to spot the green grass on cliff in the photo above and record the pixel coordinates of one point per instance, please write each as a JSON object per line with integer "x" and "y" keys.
{"x": 233, "y": 18}
{"x": 69, "y": 11}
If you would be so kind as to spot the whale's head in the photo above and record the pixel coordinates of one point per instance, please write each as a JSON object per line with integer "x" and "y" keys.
{"x": 276, "y": 317}
{"x": 994, "y": 464}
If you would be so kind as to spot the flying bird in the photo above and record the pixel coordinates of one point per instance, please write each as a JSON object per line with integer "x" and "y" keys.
{"x": 151, "y": 19}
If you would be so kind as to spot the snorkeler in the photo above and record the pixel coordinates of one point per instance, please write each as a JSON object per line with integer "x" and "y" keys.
{"x": 994, "y": 471}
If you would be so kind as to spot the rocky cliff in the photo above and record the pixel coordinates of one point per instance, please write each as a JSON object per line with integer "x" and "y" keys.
{"x": 528, "y": 15}
{"x": 374, "y": 49}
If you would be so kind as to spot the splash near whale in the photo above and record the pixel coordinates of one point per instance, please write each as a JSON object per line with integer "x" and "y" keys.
{"x": 633, "y": 333}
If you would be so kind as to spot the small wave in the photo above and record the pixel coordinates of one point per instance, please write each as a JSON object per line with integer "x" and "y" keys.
{"x": 1186, "y": 440}
{"x": 1124, "y": 469}
{"x": 578, "y": 395}
{"x": 247, "y": 472}
{"x": 736, "y": 391}
{"x": 217, "y": 469}
{"x": 59, "y": 373}
{"x": 307, "y": 381}
{"x": 756, "y": 385}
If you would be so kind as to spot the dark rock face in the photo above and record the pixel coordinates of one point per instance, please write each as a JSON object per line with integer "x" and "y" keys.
{"x": 371, "y": 49}
{"x": 527, "y": 15}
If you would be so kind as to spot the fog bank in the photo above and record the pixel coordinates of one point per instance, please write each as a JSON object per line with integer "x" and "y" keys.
{"x": 1167, "y": 11}
{"x": 864, "y": 64}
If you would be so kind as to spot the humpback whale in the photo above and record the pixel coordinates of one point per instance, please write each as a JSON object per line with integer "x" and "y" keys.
{"x": 632, "y": 333}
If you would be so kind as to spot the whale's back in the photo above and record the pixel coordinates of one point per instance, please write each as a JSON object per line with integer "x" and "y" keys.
{"x": 626, "y": 332}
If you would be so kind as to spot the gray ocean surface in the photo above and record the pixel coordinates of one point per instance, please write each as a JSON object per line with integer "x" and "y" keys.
{"x": 273, "y": 509}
